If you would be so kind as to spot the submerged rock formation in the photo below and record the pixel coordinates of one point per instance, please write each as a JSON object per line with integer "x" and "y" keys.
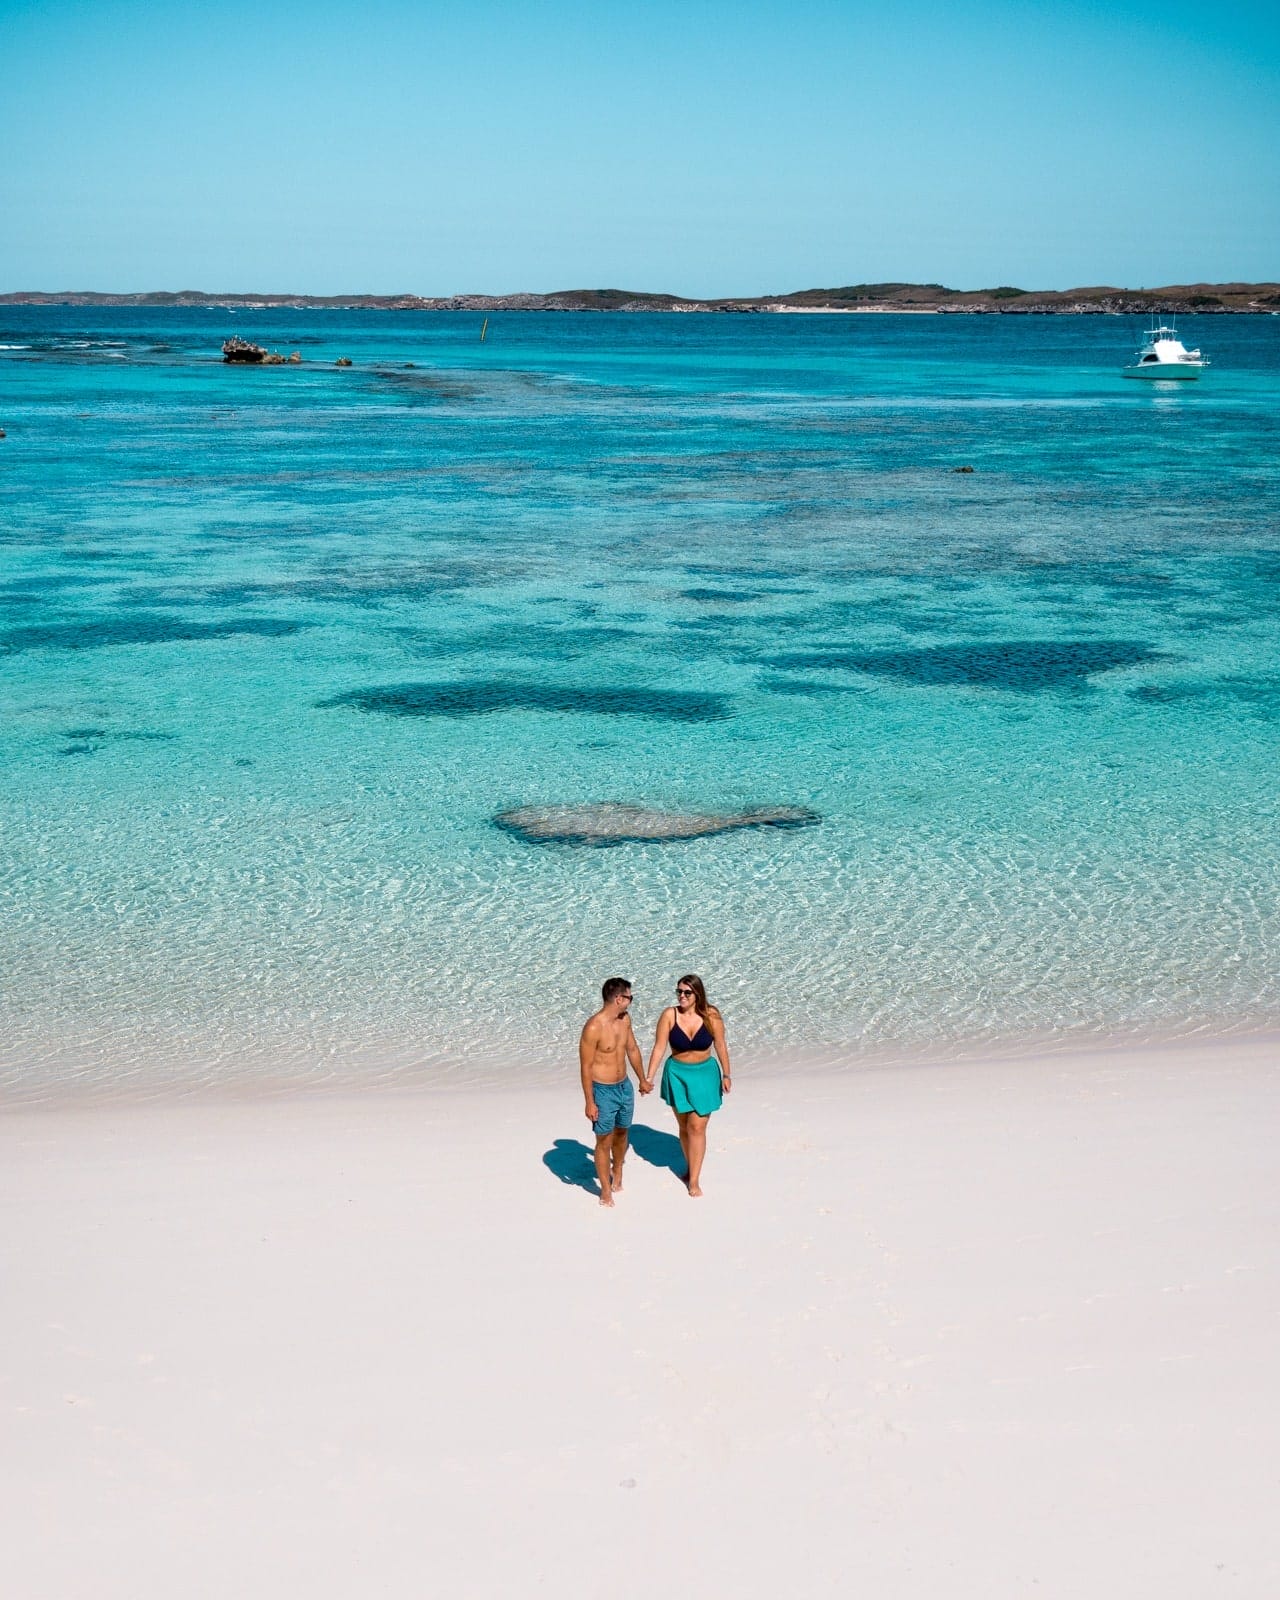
{"x": 615, "y": 822}
{"x": 1023, "y": 666}
{"x": 485, "y": 698}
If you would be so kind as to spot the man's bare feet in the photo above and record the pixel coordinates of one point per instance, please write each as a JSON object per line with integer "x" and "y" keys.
{"x": 606, "y": 1197}
{"x": 695, "y": 1191}
{"x": 617, "y": 1183}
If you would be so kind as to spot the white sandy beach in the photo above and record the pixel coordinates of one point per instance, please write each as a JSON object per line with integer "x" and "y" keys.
{"x": 952, "y": 1331}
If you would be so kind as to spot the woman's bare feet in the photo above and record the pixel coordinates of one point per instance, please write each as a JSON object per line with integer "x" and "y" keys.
{"x": 606, "y": 1197}
{"x": 695, "y": 1191}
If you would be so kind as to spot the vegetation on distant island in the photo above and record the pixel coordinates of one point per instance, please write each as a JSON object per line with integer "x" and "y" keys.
{"x": 867, "y": 294}
{"x": 1005, "y": 300}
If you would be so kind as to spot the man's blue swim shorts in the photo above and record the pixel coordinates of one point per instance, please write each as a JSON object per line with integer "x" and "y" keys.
{"x": 615, "y": 1106}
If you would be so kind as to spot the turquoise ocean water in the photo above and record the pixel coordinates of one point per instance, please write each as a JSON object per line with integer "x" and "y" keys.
{"x": 277, "y": 644}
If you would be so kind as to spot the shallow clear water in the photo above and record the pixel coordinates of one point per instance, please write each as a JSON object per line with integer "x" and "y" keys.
{"x": 694, "y": 563}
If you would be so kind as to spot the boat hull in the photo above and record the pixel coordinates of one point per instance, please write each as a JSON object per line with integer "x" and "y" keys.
{"x": 1160, "y": 370}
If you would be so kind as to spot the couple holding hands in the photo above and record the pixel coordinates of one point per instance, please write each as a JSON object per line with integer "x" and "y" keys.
{"x": 695, "y": 1078}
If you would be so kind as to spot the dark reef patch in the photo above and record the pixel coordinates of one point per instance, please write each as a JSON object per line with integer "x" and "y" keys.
{"x": 546, "y": 641}
{"x": 1145, "y": 585}
{"x": 87, "y": 741}
{"x": 702, "y": 624}
{"x": 100, "y": 633}
{"x": 419, "y": 384}
{"x": 1261, "y": 694}
{"x": 478, "y": 699}
{"x": 1023, "y": 666}
{"x": 616, "y": 822}
{"x": 146, "y": 596}
{"x": 757, "y": 574}
{"x": 47, "y": 583}
{"x": 106, "y": 557}
{"x": 346, "y": 587}
{"x": 733, "y": 597}
{"x": 1162, "y": 694}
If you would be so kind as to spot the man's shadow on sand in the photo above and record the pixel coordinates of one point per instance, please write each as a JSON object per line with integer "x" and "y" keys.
{"x": 571, "y": 1161}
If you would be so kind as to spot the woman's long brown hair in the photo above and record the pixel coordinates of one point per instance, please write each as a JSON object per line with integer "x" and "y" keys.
{"x": 694, "y": 982}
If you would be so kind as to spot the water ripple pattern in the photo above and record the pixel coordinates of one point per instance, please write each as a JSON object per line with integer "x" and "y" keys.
{"x": 278, "y": 646}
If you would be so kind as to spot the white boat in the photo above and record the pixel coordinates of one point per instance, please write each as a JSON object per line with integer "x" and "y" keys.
{"x": 1165, "y": 356}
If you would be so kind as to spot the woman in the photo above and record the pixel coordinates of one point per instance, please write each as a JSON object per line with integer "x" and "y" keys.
{"x": 696, "y": 1076}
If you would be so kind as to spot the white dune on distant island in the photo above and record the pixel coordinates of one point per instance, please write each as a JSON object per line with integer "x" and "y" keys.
{"x": 961, "y": 1330}
{"x": 853, "y": 311}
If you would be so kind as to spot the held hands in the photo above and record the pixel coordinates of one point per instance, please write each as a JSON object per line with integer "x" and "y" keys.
{"x": 646, "y": 1086}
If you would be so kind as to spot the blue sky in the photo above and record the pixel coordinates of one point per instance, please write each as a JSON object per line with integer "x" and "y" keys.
{"x": 702, "y": 148}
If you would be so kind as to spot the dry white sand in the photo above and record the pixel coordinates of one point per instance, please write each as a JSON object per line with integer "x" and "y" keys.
{"x": 997, "y": 1331}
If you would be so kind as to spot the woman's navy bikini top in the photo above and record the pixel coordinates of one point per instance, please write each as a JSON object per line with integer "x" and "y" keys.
{"x": 682, "y": 1044}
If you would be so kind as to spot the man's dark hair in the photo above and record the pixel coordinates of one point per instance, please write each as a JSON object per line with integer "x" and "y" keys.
{"x": 612, "y": 987}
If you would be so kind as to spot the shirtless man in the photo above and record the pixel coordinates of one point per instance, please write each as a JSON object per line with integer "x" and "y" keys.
{"x": 607, "y": 1044}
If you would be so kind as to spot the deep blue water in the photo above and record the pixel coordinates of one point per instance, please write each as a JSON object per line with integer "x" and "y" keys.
{"x": 276, "y": 646}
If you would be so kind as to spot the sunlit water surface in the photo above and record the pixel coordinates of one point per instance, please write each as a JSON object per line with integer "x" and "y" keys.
{"x": 276, "y": 646}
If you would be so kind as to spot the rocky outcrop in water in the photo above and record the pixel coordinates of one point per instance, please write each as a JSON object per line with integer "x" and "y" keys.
{"x": 615, "y": 822}
{"x": 243, "y": 353}
{"x": 240, "y": 352}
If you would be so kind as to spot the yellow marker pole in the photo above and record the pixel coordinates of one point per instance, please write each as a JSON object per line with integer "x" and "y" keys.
{"x": 483, "y": 329}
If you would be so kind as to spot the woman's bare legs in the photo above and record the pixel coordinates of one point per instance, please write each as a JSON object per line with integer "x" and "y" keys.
{"x": 694, "y": 1144}
{"x": 682, "y": 1122}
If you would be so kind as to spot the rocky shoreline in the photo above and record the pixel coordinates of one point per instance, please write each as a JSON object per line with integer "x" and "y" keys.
{"x": 1176, "y": 299}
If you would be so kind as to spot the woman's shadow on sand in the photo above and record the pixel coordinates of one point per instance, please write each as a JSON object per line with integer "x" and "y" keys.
{"x": 659, "y": 1149}
{"x": 570, "y": 1160}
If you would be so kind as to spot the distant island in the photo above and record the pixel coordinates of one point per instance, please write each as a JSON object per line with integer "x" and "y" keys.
{"x": 910, "y": 297}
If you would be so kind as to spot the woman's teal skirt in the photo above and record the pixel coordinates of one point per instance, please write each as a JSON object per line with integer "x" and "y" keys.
{"x": 692, "y": 1086}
